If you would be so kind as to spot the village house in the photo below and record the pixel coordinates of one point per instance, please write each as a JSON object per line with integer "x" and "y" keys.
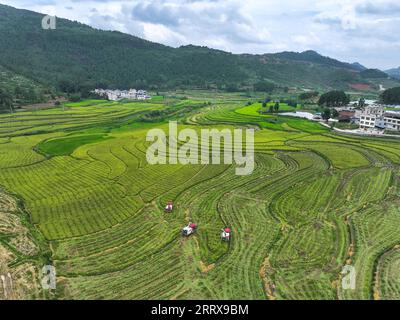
{"x": 392, "y": 120}
{"x": 371, "y": 117}
{"x": 142, "y": 95}
{"x": 376, "y": 118}
{"x": 115, "y": 95}
{"x": 347, "y": 116}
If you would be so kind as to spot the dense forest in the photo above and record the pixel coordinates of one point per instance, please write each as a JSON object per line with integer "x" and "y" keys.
{"x": 76, "y": 58}
{"x": 334, "y": 99}
{"x": 391, "y": 96}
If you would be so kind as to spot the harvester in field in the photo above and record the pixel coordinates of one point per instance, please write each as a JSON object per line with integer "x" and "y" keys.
{"x": 169, "y": 207}
{"x": 189, "y": 229}
{"x": 226, "y": 234}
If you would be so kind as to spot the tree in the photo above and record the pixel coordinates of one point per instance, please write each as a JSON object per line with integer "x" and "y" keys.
{"x": 18, "y": 92}
{"x": 391, "y": 96}
{"x": 264, "y": 104}
{"x": 271, "y": 109}
{"x": 334, "y": 113}
{"x": 276, "y": 107}
{"x": 326, "y": 114}
{"x": 6, "y": 101}
{"x": 291, "y": 103}
{"x": 361, "y": 103}
{"x": 308, "y": 95}
{"x": 334, "y": 99}
{"x": 66, "y": 86}
{"x": 75, "y": 97}
{"x": 32, "y": 95}
{"x": 231, "y": 87}
{"x": 264, "y": 86}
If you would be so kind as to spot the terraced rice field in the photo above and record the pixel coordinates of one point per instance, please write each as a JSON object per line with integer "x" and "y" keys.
{"x": 314, "y": 203}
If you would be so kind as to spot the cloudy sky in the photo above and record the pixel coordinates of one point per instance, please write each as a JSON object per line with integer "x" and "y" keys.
{"x": 349, "y": 30}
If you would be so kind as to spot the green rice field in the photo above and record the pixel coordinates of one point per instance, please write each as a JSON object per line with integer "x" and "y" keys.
{"x": 316, "y": 201}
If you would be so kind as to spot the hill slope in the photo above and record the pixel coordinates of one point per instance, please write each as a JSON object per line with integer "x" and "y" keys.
{"x": 373, "y": 74}
{"x": 314, "y": 57}
{"x": 78, "y": 55}
{"x": 358, "y": 66}
{"x": 22, "y": 89}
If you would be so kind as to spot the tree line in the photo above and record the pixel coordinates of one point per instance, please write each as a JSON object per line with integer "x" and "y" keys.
{"x": 391, "y": 96}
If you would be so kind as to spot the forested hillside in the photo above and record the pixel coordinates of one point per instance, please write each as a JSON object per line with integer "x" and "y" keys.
{"x": 18, "y": 90}
{"x": 76, "y": 57}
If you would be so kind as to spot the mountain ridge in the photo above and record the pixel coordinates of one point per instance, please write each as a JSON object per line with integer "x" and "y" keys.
{"x": 394, "y": 73}
{"x": 77, "y": 55}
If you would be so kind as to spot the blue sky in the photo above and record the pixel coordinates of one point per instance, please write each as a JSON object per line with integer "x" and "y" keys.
{"x": 349, "y": 30}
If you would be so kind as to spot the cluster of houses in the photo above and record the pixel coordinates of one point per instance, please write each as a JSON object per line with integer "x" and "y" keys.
{"x": 375, "y": 117}
{"x": 370, "y": 118}
{"x": 115, "y": 95}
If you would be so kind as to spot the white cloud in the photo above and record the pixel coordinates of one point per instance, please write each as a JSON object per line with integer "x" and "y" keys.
{"x": 350, "y": 30}
{"x": 161, "y": 34}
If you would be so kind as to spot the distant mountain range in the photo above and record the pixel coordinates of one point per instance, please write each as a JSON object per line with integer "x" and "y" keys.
{"x": 76, "y": 56}
{"x": 394, "y": 73}
{"x": 358, "y": 66}
{"x": 314, "y": 57}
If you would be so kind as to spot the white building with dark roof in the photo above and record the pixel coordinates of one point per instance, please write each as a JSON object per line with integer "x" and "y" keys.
{"x": 115, "y": 95}
{"x": 392, "y": 120}
{"x": 376, "y": 118}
